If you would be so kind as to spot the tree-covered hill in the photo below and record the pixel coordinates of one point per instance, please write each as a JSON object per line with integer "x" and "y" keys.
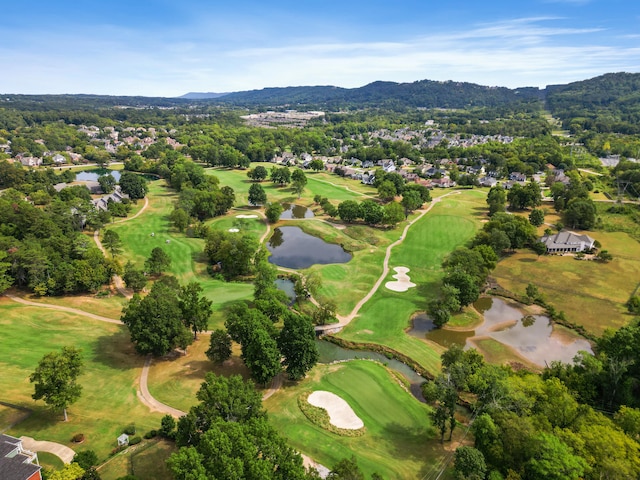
{"x": 608, "y": 103}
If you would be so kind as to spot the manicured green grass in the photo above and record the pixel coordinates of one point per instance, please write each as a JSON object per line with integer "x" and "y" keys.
{"x": 49, "y": 461}
{"x": 384, "y": 318}
{"x": 188, "y": 262}
{"x": 399, "y": 440}
{"x": 591, "y": 294}
{"x": 335, "y": 188}
{"x": 108, "y": 400}
{"x": 107, "y": 306}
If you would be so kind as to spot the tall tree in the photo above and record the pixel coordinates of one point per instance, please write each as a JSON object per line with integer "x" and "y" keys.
{"x": 219, "y": 346}
{"x": 158, "y": 261}
{"x": 195, "y": 308}
{"x": 257, "y": 195}
{"x": 111, "y": 241}
{"x": 55, "y": 378}
{"x": 297, "y": 343}
{"x": 133, "y": 185}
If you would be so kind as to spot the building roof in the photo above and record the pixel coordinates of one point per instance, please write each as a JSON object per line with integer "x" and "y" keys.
{"x": 14, "y": 465}
{"x": 565, "y": 239}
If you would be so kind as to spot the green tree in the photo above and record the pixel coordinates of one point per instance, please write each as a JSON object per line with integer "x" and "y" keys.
{"x": 539, "y": 248}
{"x": 387, "y": 190}
{"x": 167, "y": 427}
{"x": 219, "y": 346}
{"x": 133, "y": 185}
{"x": 257, "y": 195}
{"x": 56, "y": 377}
{"x": 273, "y": 211}
{"x": 346, "y": 469}
{"x": 554, "y": 460}
{"x": 497, "y": 200}
{"x": 180, "y": 219}
{"x": 299, "y": 181}
{"x": 107, "y": 184}
{"x": 71, "y": 471}
{"x": 86, "y": 459}
{"x": 111, "y": 241}
{"x": 371, "y": 212}
{"x": 349, "y": 211}
{"x": 393, "y": 214}
{"x": 134, "y": 278}
{"x": 196, "y": 309}
{"x": 297, "y": 343}
{"x": 316, "y": 165}
{"x": 158, "y": 261}
{"x": 411, "y": 200}
{"x": 469, "y": 464}
{"x": 155, "y": 321}
{"x": 261, "y": 356}
{"x": 580, "y": 213}
{"x": 536, "y": 217}
{"x": 257, "y": 174}
{"x": 466, "y": 284}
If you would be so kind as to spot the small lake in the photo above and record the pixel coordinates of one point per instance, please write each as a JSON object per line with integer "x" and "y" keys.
{"x": 531, "y": 336}
{"x": 292, "y": 211}
{"x": 287, "y": 286}
{"x": 92, "y": 176}
{"x": 330, "y": 352}
{"x": 290, "y": 247}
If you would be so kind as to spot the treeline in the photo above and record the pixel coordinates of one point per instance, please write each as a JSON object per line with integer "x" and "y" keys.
{"x": 528, "y": 426}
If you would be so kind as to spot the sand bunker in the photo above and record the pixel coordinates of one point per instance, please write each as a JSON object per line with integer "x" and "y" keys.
{"x": 402, "y": 282}
{"x": 340, "y": 413}
{"x": 234, "y": 230}
{"x": 246, "y": 216}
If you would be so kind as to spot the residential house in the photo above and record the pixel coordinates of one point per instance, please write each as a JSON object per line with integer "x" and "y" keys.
{"x": 517, "y": 177}
{"x": 443, "y": 182}
{"x": 488, "y": 181}
{"x": 29, "y": 161}
{"x": 59, "y": 159}
{"x": 16, "y": 463}
{"x": 566, "y": 241}
{"x": 117, "y": 196}
{"x": 388, "y": 166}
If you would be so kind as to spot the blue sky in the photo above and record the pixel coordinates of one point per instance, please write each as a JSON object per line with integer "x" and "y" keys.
{"x": 168, "y": 48}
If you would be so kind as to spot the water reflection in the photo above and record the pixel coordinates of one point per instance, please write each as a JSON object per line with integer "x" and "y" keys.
{"x": 93, "y": 175}
{"x": 290, "y": 247}
{"x": 292, "y": 211}
{"x": 532, "y": 336}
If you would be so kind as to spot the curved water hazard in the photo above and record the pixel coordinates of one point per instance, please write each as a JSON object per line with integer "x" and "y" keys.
{"x": 93, "y": 175}
{"x": 290, "y": 247}
{"x": 531, "y": 336}
{"x": 292, "y": 212}
{"x": 330, "y": 352}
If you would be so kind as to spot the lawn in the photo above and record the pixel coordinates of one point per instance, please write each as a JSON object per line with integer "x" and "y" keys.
{"x": 108, "y": 400}
{"x": 175, "y": 381}
{"x": 188, "y": 262}
{"x": 384, "y": 318}
{"x": 399, "y": 440}
{"x": 602, "y": 289}
{"x": 147, "y": 461}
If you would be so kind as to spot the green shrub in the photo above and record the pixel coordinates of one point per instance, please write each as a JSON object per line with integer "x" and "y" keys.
{"x": 151, "y": 434}
{"x": 135, "y": 440}
{"x": 78, "y": 438}
{"x": 129, "y": 429}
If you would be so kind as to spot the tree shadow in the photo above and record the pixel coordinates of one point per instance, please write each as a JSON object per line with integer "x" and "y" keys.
{"x": 528, "y": 260}
{"x": 116, "y": 351}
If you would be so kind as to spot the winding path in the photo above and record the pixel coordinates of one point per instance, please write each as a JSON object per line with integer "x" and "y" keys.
{"x": 344, "y": 320}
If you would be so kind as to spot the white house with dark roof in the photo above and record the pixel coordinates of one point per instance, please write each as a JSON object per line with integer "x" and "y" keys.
{"x": 16, "y": 463}
{"x": 565, "y": 242}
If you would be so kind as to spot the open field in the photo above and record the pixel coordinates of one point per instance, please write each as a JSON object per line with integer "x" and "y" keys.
{"x": 591, "y": 294}
{"x": 398, "y": 442}
{"x": 108, "y": 400}
{"x": 383, "y": 319}
{"x": 146, "y": 461}
{"x": 107, "y": 306}
{"x": 187, "y": 254}
{"x": 175, "y": 381}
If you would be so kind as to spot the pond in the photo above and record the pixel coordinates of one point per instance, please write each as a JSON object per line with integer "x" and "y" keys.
{"x": 330, "y": 352}
{"x": 292, "y": 211}
{"x": 92, "y": 175}
{"x": 287, "y": 286}
{"x": 290, "y": 247}
{"x": 531, "y": 336}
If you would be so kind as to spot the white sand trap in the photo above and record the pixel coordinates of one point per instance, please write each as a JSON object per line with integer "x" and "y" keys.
{"x": 246, "y": 216}
{"x": 402, "y": 282}
{"x": 340, "y": 413}
{"x": 234, "y": 230}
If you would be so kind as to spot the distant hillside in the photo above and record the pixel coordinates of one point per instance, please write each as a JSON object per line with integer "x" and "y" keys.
{"x": 608, "y": 103}
{"x": 424, "y": 93}
{"x": 202, "y": 95}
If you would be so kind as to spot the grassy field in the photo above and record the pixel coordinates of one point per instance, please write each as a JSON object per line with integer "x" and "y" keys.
{"x": 399, "y": 440}
{"x": 176, "y": 381}
{"x": 146, "y": 461}
{"x": 108, "y": 400}
{"x": 602, "y": 289}
{"x": 383, "y": 319}
{"x": 188, "y": 262}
